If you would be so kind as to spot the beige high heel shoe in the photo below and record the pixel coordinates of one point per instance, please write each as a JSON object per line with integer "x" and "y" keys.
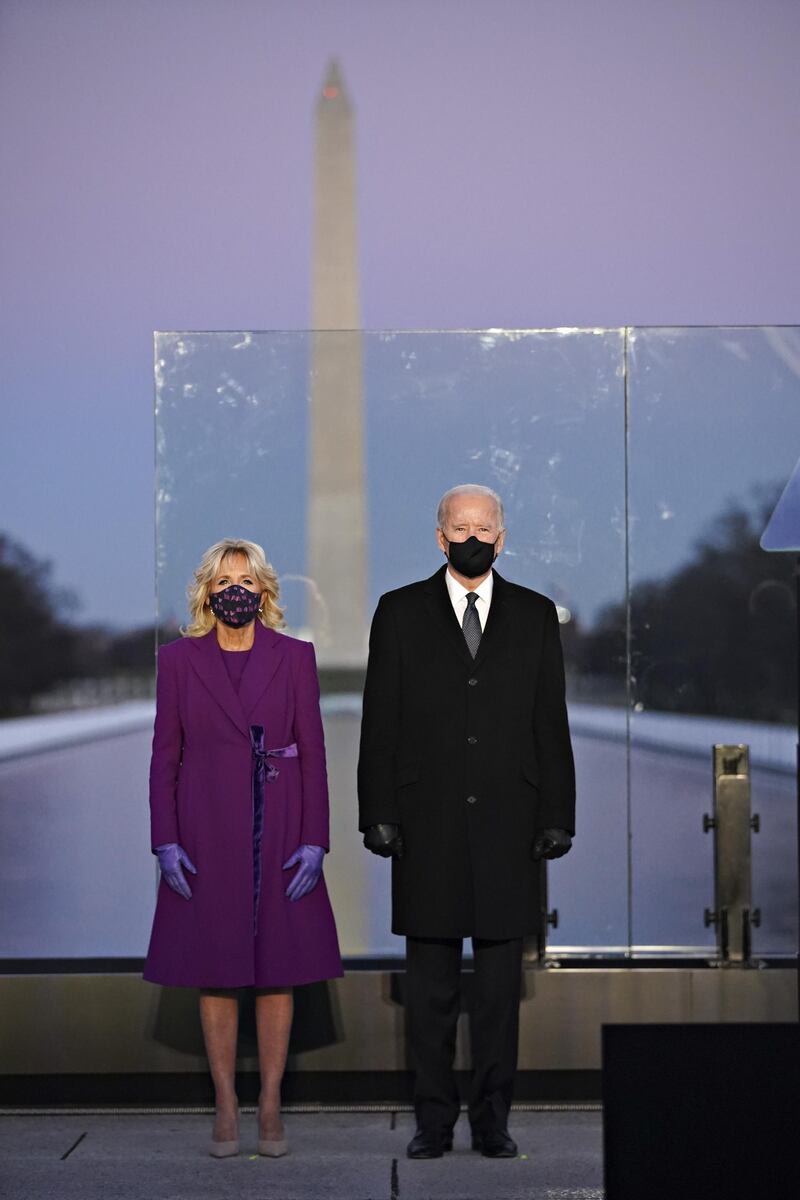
{"x": 225, "y": 1149}
{"x": 273, "y": 1149}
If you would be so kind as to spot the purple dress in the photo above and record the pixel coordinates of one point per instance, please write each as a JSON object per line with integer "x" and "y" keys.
{"x": 235, "y": 663}
{"x": 239, "y": 929}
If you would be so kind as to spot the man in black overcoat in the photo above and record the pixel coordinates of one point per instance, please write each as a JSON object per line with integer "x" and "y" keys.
{"x": 465, "y": 779}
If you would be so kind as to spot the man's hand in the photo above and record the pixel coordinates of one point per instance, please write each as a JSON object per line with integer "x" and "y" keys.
{"x": 386, "y": 840}
{"x": 550, "y": 843}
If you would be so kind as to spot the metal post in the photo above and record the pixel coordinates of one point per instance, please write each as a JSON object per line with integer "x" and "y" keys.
{"x": 732, "y": 824}
{"x": 535, "y": 948}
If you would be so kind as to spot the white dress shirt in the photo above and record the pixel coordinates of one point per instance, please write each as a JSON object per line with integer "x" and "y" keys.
{"x": 458, "y": 597}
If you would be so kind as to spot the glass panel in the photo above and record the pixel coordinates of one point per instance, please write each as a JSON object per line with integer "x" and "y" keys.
{"x": 77, "y": 877}
{"x": 231, "y": 433}
{"x": 714, "y": 435}
{"x": 540, "y": 418}
{"x": 390, "y": 422}
{"x": 333, "y": 449}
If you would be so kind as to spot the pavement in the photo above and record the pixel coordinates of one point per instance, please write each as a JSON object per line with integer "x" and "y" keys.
{"x": 348, "y": 1155}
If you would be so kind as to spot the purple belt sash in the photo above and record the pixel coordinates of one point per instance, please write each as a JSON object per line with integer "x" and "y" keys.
{"x": 263, "y": 772}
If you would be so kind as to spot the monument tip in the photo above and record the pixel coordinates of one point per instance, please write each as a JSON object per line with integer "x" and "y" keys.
{"x": 333, "y": 86}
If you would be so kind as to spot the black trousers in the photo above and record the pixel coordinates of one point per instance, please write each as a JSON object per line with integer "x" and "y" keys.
{"x": 433, "y": 993}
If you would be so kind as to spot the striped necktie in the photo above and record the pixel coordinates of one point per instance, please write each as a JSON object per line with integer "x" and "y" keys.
{"x": 471, "y": 624}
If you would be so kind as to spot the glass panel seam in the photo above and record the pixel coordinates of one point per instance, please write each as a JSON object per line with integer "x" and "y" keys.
{"x": 628, "y": 632}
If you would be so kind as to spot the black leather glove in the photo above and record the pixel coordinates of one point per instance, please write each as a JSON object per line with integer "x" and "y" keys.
{"x": 550, "y": 843}
{"x": 386, "y": 840}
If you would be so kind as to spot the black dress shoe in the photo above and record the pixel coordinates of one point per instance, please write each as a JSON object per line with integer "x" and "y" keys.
{"x": 429, "y": 1143}
{"x": 495, "y": 1143}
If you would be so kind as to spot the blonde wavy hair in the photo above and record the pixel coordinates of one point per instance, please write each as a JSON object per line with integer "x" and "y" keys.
{"x": 202, "y": 618}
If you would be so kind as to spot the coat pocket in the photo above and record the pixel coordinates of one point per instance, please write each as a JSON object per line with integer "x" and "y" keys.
{"x": 409, "y": 773}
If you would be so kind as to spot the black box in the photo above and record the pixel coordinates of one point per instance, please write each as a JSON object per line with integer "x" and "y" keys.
{"x": 700, "y": 1112}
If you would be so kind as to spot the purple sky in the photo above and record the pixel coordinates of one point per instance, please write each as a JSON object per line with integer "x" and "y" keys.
{"x": 520, "y": 164}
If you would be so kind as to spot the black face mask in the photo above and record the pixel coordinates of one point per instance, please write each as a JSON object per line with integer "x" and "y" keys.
{"x": 235, "y": 605}
{"x": 472, "y": 557}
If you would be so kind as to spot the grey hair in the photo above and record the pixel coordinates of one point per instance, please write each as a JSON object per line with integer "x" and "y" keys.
{"x": 468, "y": 489}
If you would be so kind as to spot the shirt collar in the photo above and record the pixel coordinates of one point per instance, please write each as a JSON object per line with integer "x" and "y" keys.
{"x": 458, "y": 591}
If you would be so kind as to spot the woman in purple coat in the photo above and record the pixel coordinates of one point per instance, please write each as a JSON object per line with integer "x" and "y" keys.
{"x": 239, "y": 801}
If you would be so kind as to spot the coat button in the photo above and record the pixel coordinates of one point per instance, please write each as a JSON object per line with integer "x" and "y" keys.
{"x": 472, "y": 740}
{"x": 472, "y": 682}
{"x": 472, "y": 799}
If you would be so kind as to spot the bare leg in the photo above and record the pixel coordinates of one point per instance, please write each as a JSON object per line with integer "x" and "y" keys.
{"x": 219, "y": 1016}
{"x": 274, "y": 1010}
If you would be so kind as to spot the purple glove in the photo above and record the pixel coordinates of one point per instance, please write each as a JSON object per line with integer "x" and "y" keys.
{"x": 171, "y": 857}
{"x": 310, "y": 860}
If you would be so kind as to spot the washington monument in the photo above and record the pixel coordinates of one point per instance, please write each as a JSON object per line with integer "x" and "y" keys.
{"x": 337, "y": 539}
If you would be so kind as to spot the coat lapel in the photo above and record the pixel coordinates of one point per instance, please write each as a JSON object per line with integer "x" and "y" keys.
{"x": 441, "y": 612}
{"x": 208, "y": 663}
{"x": 266, "y": 656}
{"x": 262, "y": 663}
{"x": 442, "y": 615}
{"x": 496, "y": 622}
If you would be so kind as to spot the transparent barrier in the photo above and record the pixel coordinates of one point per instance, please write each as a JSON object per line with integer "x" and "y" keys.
{"x": 637, "y": 468}
{"x": 713, "y": 435}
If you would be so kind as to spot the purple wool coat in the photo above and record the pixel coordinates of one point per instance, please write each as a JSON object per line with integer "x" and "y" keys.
{"x": 239, "y": 929}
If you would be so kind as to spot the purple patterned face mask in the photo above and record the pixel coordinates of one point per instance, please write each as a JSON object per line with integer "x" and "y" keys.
{"x": 235, "y": 605}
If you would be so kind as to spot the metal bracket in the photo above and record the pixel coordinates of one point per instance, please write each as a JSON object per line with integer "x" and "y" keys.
{"x": 535, "y": 948}
{"x": 732, "y": 824}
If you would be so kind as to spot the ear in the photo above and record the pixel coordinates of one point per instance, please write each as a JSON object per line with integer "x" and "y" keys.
{"x": 441, "y": 541}
{"x": 501, "y": 537}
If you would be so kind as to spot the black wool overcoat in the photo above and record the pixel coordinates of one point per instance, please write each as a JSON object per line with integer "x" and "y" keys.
{"x": 471, "y": 757}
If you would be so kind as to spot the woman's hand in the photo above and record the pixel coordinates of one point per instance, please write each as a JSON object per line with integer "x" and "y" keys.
{"x": 171, "y": 857}
{"x": 310, "y": 860}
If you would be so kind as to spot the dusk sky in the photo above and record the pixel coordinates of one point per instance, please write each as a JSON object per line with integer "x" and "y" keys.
{"x": 521, "y": 164}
